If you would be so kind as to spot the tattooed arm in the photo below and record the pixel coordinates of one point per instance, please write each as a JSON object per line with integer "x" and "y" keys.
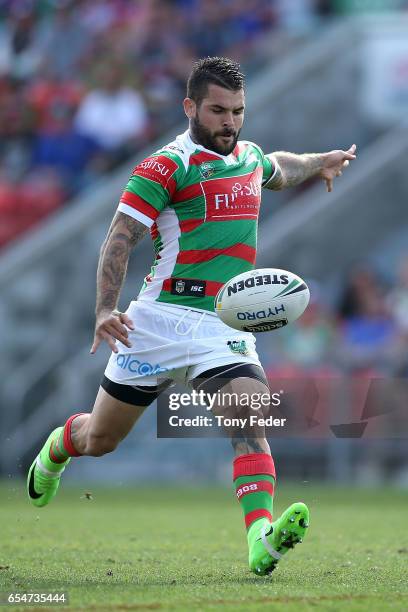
{"x": 292, "y": 169}
{"x": 123, "y": 235}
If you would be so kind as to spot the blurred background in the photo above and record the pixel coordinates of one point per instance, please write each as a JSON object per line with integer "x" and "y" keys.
{"x": 87, "y": 89}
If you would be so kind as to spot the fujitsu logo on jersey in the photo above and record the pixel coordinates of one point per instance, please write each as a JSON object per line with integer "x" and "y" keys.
{"x": 236, "y": 197}
{"x": 232, "y": 199}
{"x": 155, "y": 165}
{"x": 159, "y": 169}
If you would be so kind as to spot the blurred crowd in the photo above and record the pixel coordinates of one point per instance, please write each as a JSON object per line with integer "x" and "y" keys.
{"x": 347, "y": 363}
{"x": 85, "y": 83}
{"x": 361, "y": 341}
{"x": 364, "y": 334}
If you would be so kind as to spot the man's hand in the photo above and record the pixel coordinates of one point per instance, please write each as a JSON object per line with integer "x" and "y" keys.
{"x": 333, "y": 164}
{"x": 292, "y": 169}
{"x": 111, "y": 326}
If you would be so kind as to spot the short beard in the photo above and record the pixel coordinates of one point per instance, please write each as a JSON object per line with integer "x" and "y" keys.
{"x": 203, "y": 136}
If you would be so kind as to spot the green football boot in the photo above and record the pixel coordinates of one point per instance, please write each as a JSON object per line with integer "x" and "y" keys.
{"x": 44, "y": 475}
{"x": 268, "y": 543}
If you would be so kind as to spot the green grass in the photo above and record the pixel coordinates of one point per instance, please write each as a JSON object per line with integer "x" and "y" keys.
{"x": 185, "y": 549}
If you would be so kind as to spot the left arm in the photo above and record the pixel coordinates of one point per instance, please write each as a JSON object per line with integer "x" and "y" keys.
{"x": 292, "y": 169}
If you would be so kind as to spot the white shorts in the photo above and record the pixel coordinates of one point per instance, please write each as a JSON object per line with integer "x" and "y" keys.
{"x": 177, "y": 343}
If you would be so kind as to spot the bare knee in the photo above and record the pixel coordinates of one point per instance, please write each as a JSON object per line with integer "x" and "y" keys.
{"x": 98, "y": 445}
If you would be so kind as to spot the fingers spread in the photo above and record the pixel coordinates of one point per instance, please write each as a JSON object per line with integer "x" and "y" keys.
{"x": 109, "y": 339}
{"x": 102, "y": 335}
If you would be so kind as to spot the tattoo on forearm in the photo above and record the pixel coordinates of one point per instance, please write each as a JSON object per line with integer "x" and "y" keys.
{"x": 124, "y": 233}
{"x": 297, "y": 168}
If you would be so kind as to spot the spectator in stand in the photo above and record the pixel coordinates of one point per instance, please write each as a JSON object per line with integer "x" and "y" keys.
{"x": 48, "y": 53}
{"x": 32, "y": 180}
{"x": 26, "y": 194}
{"x": 208, "y": 31}
{"x": 368, "y": 332}
{"x": 57, "y": 147}
{"x": 50, "y": 95}
{"x": 304, "y": 363}
{"x": 20, "y": 53}
{"x": 113, "y": 115}
{"x": 249, "y": 19}
{"x": 63, "y": 39}
{"x": 370, "y": 352}
{"x": 363, "y": 292}
{"x": 16, "y": 131}
{"x": 72, "y": 155}
{"x": 17, "y": 128}
{"x": 164, "y": 55}
{"x": 99, "y": 16}
{"x": 398, "y": 298}
{"x": 398, "y": 304}
{"x": 308, "y": 344}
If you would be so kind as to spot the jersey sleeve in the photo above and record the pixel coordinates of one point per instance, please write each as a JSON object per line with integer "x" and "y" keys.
{"x": 270, "y": 168}
{"x": 151, "y": 187}
{"x": 274, "y": 182}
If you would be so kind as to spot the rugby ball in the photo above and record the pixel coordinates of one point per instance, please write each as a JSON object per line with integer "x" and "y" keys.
{"x": 262, "y": 300}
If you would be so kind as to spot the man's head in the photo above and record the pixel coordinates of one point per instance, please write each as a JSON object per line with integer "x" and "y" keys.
{"x": 215, "y": 103}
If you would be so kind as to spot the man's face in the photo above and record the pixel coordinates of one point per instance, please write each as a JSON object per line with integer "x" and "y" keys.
{"x": 217, "y": 121}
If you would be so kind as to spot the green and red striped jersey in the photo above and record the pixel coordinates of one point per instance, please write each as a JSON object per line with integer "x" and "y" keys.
{"x": 202, "y": 209}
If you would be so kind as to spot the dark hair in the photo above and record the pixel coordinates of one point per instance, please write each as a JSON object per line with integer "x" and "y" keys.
{"x": 213, "y": 70}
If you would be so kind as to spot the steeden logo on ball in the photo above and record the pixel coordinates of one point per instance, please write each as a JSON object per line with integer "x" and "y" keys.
{"x": 262, "y": 300}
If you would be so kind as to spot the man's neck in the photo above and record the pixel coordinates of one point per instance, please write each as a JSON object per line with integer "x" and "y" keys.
{"x": 193, "y": 137}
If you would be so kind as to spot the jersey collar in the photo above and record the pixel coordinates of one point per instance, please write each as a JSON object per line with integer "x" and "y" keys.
{"x": 228, "y": 159}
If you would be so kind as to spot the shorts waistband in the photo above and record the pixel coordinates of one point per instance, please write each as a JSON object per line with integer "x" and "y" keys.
{"x": 173, "y": 308}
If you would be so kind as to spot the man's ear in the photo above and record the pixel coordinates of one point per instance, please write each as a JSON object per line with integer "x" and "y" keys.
{"x": 189, "y": 107}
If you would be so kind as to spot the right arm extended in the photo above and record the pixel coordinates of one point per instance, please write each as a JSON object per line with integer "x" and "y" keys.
{"x": 123, "y": 235}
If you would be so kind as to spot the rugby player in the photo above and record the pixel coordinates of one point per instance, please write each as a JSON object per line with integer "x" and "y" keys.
{"x": 199, "y": 196}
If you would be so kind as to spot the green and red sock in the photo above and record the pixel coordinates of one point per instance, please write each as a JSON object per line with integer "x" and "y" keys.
{"x": 61, "y": 447}
{"x": 254, "y": 480}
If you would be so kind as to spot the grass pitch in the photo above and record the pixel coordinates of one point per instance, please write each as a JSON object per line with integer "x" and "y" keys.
{"x": 185, "y": 549}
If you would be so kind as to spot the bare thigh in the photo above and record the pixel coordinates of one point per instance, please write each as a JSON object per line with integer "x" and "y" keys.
{"x": 109, "y": 422}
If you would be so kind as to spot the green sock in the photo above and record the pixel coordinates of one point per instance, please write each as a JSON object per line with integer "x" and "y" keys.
{"x": 254, "y": 481}
{"x": 58, "y": 453}
{"x": 48, "y": 457}
{"x": 61, "y": 447}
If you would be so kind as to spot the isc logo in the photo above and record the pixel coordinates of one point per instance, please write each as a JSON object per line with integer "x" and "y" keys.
{"x": 247, "y": 489}
{"x": 197, "y": 288}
